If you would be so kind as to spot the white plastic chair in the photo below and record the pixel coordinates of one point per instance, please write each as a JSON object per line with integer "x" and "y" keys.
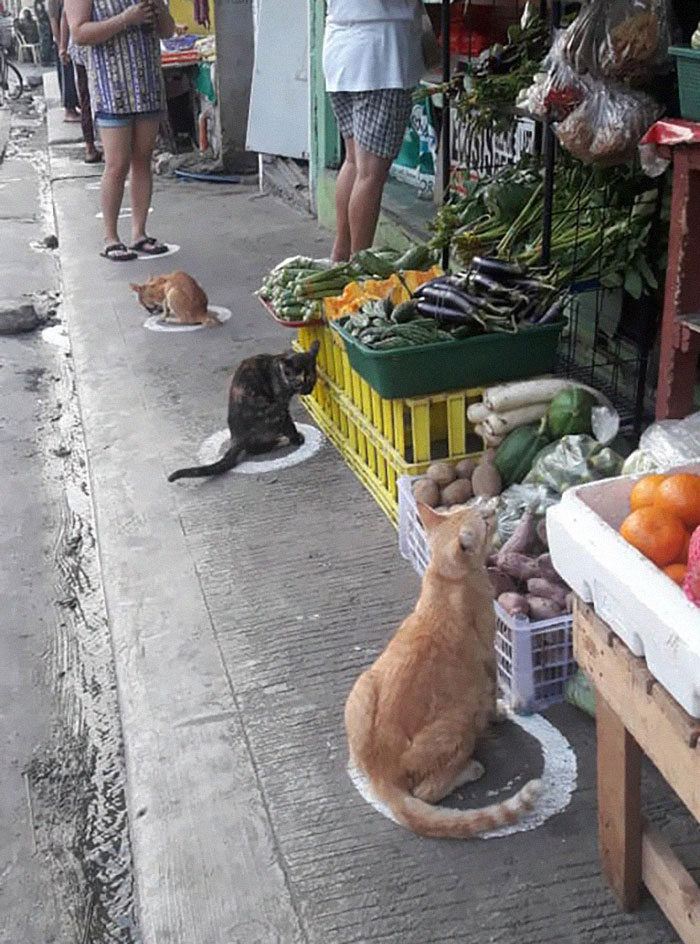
{"x": 30, "y": 50}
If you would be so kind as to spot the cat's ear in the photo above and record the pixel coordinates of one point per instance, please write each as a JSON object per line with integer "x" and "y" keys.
{"x": 314, "y": 349}
{"x": 134, "y": 287}
{"x": 430, "y": 518}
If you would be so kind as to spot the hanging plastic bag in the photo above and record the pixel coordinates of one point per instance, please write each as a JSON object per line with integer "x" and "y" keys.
{"x": 608, "y": 125}
{"x": 573, "y": 460}
{"x": 635, "y": 40}
{"x": 623, "y": 40}
{"x": 518, "y": 499}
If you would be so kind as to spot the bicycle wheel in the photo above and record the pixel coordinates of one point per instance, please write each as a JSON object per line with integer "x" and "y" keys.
{"x": 14, "y": 82}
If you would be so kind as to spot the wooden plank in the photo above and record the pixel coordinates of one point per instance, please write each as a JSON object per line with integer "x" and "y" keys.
{"x": 663, "y": 731}
{"x": 619, "y": 806}
{"x": 671, "y": 885}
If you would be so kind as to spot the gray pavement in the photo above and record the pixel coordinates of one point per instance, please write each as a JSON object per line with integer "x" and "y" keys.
{"x": 241, "y": 610}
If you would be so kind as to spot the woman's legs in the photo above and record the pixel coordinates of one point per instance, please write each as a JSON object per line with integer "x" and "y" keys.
{"x": 366, "y": 197}
{"x": 343, "y": 191}
{"x": 117, "y": 148}
{"x": 145, "y": 132}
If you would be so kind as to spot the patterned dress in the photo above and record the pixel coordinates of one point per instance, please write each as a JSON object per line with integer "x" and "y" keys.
{"x": 125, "y": 72}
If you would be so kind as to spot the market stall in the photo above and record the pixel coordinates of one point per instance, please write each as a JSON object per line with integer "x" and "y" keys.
{"x": 488, "y": 367}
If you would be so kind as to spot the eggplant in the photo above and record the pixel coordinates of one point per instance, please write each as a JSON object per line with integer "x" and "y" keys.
{"x": 497, "y": 269}
{"x": 439, "y": 313}
{"x": 553, "y": 313}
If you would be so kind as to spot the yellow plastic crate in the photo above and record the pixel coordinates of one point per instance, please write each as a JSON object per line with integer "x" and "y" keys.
{"x": 380, "y": 439}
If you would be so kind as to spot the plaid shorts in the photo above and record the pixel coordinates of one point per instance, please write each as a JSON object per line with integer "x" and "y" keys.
{"x": 376, "y": 120}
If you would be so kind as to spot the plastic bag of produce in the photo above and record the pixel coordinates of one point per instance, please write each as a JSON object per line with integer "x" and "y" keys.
{"x": 515, "y": 501}
{"x": 635, "y": 40}
{"x": 607, "y": 126}
{"x": 623, "y": 40}
{"x": 666, "y": 443}
{"x": 573, "y": 460}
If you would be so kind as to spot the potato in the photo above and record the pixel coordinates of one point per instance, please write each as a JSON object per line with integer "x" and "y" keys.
{"x": 457, "y": 492}
{"x": 427, "y": 491}
{"x": 465, "y": 468}
{"x": 442, "y": 473}
{"x": 486, "y": 480}
{"x": 515, "y": 604}
{"x": 542, "y": 608}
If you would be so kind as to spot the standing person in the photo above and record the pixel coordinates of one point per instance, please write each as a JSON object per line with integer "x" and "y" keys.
{"x": 45, "y": 37}
{"x": 73, "y": 55}
{"x": 128, "y": 95}
{"x": 372, "y": 59}
{"x": 64, "y": 67}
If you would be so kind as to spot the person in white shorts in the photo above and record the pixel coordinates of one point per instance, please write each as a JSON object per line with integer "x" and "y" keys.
{"x": 372, "y": 60}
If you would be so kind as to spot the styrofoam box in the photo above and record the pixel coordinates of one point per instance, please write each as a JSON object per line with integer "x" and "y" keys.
{"x": 534, "y": 659}
{"x": 649, "y": 612}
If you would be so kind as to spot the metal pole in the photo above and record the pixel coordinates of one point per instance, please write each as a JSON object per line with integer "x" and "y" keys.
{"x": 549, "y": 160}
{"x": 446, "y": 117}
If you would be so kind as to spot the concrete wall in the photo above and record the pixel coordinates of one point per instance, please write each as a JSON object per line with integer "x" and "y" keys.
{"x": 235, "y": 56}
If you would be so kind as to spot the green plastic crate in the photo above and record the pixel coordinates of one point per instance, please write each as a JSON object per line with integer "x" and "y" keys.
{"x": 688, "y": 67}
{"x": 450, "y": 365}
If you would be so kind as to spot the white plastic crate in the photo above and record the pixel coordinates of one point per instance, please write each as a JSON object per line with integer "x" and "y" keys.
{"x": 637, "y": 600}
{"x": 535, "y": 659}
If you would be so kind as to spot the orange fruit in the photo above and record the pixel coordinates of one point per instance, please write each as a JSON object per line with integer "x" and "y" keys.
{"x": 683, "y": 555}
{"x": 679, "y": 495}
{"x": 655, "y": 533}
{"x": 676, "y": 572}
{"x": 644, "y": 491}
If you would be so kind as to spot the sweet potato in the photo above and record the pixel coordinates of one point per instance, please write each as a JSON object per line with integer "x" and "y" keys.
{"x": 546, "y": 568}
{"x": 539, "y": 587}
{"x": 542, "y": 608}
{"x": 457, "y": 492}
{"x": 542, "y": 532}
{"x": 514, "y": 604}
{"x": 427, "y": 491}
{"x": 522, "y": 539}
{"x": 518, "y": 566}
{"x": 441, "y": 472}
{"x": 501, "y": 582}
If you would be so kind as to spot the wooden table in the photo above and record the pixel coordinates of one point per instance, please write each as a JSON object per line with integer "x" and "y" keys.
{"x": 635, "y": 715}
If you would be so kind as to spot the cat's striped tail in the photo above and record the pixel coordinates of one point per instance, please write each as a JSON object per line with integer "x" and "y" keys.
{"x": 227, "y": 461}
{"x": 441, "y": 822}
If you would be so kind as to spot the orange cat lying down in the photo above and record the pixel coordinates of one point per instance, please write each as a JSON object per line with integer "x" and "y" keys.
{"x": 413, "y": 718}
{"x": 178, "y": 297}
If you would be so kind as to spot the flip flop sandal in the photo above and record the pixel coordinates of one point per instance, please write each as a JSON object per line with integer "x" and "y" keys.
{"x": 149, "y": 246}
{"x": 117, "y": 252}
{"x": 97, "y": 159}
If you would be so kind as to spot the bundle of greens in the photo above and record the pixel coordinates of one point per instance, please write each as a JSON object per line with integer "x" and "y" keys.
{"x": 602, "y": 223}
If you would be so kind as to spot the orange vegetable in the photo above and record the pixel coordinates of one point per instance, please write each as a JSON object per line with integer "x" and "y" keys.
{"x": 676, "y": 572}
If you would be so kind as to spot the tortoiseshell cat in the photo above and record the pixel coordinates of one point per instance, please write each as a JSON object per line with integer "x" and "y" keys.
{"x": 258, "y": 407}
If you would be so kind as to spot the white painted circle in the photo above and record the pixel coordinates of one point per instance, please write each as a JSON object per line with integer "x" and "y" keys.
{"x": 212, "y": 448}
{"x": 56, "y": 335}
{"x": 171, "y": 250}
{"x": 123, "y": 214}
{"x": 558, "y": 778}
{"x": 154, "y": 323}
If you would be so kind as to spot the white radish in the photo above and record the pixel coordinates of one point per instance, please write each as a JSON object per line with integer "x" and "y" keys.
{"x": 477, "y": 412}
{"x": 500, "y": 424}
{"x": 520, "y": 393}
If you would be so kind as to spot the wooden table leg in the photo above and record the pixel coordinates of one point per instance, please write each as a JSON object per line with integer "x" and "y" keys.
{"x": 619, "y": 806}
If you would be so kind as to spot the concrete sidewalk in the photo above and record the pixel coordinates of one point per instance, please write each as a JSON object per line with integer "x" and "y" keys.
{"x": 242, "y": 609}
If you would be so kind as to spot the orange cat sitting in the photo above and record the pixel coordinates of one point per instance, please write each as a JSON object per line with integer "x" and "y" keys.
{"x": 180, "y": 299}
{"x": 413, "y": 718}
